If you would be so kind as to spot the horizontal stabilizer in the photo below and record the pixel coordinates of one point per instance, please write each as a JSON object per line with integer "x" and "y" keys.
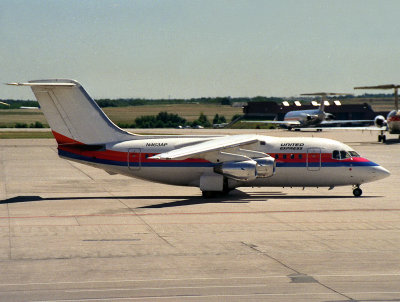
{"x": 43, "y": 84}
{"x": 388, "y": 86}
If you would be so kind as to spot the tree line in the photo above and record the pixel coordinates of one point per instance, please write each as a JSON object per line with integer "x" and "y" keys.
{"x": 121, "y": 102}
{"x": 171, "y": 120}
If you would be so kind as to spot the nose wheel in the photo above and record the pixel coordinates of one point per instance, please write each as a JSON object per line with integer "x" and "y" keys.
{"x": 357, "y": 191}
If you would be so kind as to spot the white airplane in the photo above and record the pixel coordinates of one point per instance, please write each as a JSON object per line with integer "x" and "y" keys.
{"x": 392, "y": 121}
{"x": 215, "y": 164}
{"x": 298, "y": 119}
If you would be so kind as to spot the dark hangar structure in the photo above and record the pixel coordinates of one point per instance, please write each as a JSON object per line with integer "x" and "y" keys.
{"x": 275, "y": 111}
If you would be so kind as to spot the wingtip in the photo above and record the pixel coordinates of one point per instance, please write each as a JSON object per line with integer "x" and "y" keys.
{"x": 13, "y": 84}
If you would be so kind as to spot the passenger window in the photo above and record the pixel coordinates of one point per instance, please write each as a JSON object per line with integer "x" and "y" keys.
{"x": 300, "y": 156}
{"x": 276, "y": 156}
{"x": 335, "y": 154}
{"x": 284, "y": 156}
{"x": 291, "y": 156}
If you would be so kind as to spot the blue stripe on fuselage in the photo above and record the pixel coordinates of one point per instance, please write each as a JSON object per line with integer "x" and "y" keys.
{"x": 182, "y": 164}
{"x": 71, "y": 155}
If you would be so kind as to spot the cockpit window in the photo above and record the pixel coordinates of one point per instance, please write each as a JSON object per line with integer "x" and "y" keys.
{"x": 344, "y": 154}
{"x": 336, "y": 154}
{"x": 354, "y": 154}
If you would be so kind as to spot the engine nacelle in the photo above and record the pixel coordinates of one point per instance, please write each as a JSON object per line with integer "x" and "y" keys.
{"x": 329, "y": 116}
{"x": 265, "y": 166}
{"x": 247, "y": 170}
{"x": 239, "y": 170}
{"x": 311, "y": 117}
{"x": 380, "y": 121}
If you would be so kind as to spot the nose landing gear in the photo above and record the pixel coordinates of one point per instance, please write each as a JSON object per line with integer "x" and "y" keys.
{"x": 357, "y": 191}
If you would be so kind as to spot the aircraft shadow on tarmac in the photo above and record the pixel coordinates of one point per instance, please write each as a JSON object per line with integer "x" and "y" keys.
{"x": 235, "y": 196}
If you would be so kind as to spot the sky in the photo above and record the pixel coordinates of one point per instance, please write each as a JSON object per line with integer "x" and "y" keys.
{"x": 191, "y": 49}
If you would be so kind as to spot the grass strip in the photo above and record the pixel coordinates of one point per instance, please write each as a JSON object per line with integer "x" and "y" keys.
{"x": 25, "y": 134}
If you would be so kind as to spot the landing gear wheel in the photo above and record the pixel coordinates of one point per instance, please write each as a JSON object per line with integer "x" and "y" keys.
{"x": 208, "y": 194}
{"x": 214, "y": 194}
{"x": 379, "y": 138}
{"x": 357, "y": 192}
{"x": 383, "y": 138}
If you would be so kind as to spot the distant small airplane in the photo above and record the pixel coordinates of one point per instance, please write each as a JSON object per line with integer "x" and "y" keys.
{"x": 298, "y": 119}
{"x": 22, "y": 107}
{"x": 28, "y": 107}
{"x": 392, "y": 121}
{"x": 215, "y": 164}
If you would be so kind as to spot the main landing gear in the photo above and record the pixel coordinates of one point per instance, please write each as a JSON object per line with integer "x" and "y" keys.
{"x": 382, "y": 138}
{"x": 214, "y": 194}
{"x": 357, "y": 191}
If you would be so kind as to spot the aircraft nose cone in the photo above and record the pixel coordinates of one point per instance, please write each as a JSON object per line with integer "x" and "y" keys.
{"x": 380, "y": 172}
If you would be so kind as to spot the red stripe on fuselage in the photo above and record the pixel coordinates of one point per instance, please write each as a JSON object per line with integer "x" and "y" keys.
{"x": 394, "y": 118}
{"x": 67, "y": 144}
{"x": 61, "y": 139}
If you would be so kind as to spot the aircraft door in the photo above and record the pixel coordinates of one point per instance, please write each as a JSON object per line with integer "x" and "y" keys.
{"x": 313, "y": 159}
{"x": 134, "y": 159}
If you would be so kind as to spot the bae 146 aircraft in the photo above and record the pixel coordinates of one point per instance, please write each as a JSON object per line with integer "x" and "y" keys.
{"x": 392, "y": 121}
{"x": 215, "y": 164}
{"x": 312, "y": 118}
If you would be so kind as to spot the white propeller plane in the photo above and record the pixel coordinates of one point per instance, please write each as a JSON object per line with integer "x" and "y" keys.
{"x": 215, "y": 164}
{"x": 312, "y": 118}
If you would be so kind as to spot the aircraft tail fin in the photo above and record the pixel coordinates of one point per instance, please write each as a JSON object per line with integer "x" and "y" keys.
{"x": 73, "y": 115}
{"x": 322, "y": 105}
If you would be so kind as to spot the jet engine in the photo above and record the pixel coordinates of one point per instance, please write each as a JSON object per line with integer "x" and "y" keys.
{"x": 247, "y": 170}
{"x": 329, "y": 116}
{"x": 311, "y": 117}
{"x": 265, "y": 166}
{"x": 379, "y": 121}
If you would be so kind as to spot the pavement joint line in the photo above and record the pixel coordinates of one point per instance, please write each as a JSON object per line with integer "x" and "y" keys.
{"x": 167, "y": 287}
{"x": 9, "y": 235}
{"x": 141, "y": 219}
{"x": 205, "y": 213}
{"x": 80, "y": 170}
{"x": 201, "y": 296}
{"x": 194, "y": 279}
{"x": 254, "y": 247}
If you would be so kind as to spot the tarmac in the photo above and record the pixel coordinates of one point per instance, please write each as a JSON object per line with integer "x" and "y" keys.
{"x": 70, "y": 232}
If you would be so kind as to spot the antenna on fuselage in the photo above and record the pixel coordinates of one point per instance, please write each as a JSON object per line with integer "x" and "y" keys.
{"x": 388, "y": 86}
{"x": 323, "y": 96}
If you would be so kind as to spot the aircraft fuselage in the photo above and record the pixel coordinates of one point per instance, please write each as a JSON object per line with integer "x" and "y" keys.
{"x": 300, "y": 162}
{"x": 393, "y": 122}
{"x": 305, "y": 117}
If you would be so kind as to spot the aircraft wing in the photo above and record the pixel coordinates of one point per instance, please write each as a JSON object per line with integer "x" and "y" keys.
{"x": 368, "y": 128}
{"x": 199, "y": 150}
{"x": 289, "y": 123}
{"x": 334, "y": 122}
